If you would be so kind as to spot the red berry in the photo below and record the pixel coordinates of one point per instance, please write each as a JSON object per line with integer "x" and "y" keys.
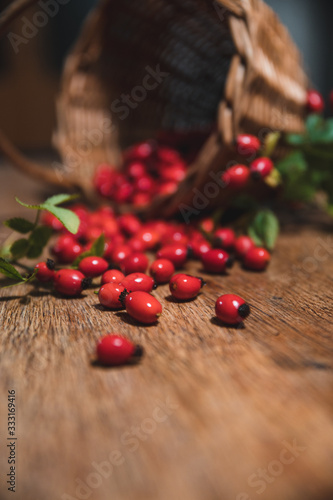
{"x": 129, "y": 224}
{"x": 261, "y": 168}
{"x": 116, "y": 350}
{"x": 144, "y": 184}
{"x": 143, "y": 307}
{"x": 109, "y": 295}
{"x": 315, "y": 102}
{"x": 138, "y": 281}
{"x": 247, "y": 144}
{"x": 112, "y": 276}
{"x": 242, "y": 245}
{"x": 207, "y": 225}
{"x": 257, "y": 259}
{"x": 141, "y": 151}
{"x": 136, "y": 169}
{"x": 216, "y": 261}
{"x": 141, "y": 199}
{"x": 45, "y": 271}
{"x": 149, "y": 237}
{"x": 236, "y": 177}
{"x": 70, "y": 282}
{"x": 66, "y": 249}
{"x": 119, "y": 253}
{"x": 135, "y": 263}
{"x": 231, "y": 309}
{"x": 104, "y": 179}
{"x": 123, "y": 192}
{"x": 185, "y": 287}
{"x": 178, "y": 254}
{"x": 174, "y": 173}
{"x": 224, "y": 238}
{"x": 198, "y": 247}
{"x": 162, "y": 270}
{"x": 93, "y": 266}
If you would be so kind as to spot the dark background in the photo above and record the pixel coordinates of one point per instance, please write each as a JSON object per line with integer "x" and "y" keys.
{"x": 29, "y": 80}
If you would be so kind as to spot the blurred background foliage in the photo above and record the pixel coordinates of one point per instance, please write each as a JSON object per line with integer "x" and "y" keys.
{"x": 29, "y": 80}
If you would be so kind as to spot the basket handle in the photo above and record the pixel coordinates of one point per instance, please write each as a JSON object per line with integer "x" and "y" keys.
{"x": 40, "y": 172}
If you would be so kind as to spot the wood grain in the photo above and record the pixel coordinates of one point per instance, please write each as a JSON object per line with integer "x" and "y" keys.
{"x": 206, "y": 410}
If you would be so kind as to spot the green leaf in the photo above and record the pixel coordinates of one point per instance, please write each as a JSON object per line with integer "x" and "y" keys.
{"x": 37, "y": 207}
{"x": 8, "y": 270}
{"x": 97, "y": 249}
{"x": 264, "y": 229}
{"x": 69, "y": 219}
{"x": 58, "y": 199}
{"x": 293, "y": 164}
{"x": 20, "y": 225}
{"x": 38, "y": 240}
{"x": 296, "y": 139}
{"x": 19, "y": 248}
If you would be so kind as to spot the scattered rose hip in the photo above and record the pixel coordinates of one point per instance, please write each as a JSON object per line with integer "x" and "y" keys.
{"x": 70, "y": 282}
{"x": 93, "y": 266}
{"x": 112, "y": 276}
{"x": 162, "y": 270}
{"x": 142, "y": 306}
{"x": 109, "y": 295}
{"x": 185, "y": 287}
{"x": 135, "y": 282}
{"x": 231, "y": 309}
{"x": 113, "y": 350}
{"x": 45, "y": 271}
{"x": 150, "y": 169}
{"x": 257, "y": 259}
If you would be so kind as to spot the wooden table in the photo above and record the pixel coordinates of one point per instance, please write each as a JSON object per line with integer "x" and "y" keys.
{"x": 211, "y": 413}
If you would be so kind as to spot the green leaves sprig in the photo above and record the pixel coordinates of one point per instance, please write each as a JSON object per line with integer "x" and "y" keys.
{"x": 37, "y": 235}
{"x": 264, "y": 229}
{"x": 308, "y": 169}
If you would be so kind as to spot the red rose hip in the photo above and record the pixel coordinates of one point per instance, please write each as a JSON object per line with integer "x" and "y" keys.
{"x": 261, "y": 168}
{"x": 247, "y": 144}
{"x": 45, "y": 271}
{"x": 162, "y": 270}
{"x": 315, "y": 101}
{"x": 231, "y": 309}
{"x": 242, "y": 245}
{"x": 185, "y": 287}
{"x": 114, "y": 350}
{"x": 236, "y": 177}
{"x": 112, "y": 276}
{"x": 216, "y": 261}
{"x": 143, "y": 307}
{"x": 177, "y": 254}
{"x": 257, "y": 259}
{"x": 70, "y": 282}
{"x": 137, "y": 262}
{"x": 224, "y": 238}
{"x": 138, "y": 281}
{"x": 109, "y": 295}
{"x": 93, "y": 266}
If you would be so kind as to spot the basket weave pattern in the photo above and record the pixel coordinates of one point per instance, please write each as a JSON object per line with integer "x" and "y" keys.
{"x": 231, "y": 64}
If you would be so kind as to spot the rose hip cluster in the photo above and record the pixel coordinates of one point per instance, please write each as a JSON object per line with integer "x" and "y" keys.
{"x": 148, "y": 170}
{"x": 238, "y": 176}
{"x": 128, "y": 277}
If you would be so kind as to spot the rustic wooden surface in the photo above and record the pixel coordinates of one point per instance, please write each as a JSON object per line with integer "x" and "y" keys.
{"x": 208, "y": 410}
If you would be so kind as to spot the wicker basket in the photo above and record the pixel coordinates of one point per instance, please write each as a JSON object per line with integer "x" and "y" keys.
{"x": 194, "y": 67}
